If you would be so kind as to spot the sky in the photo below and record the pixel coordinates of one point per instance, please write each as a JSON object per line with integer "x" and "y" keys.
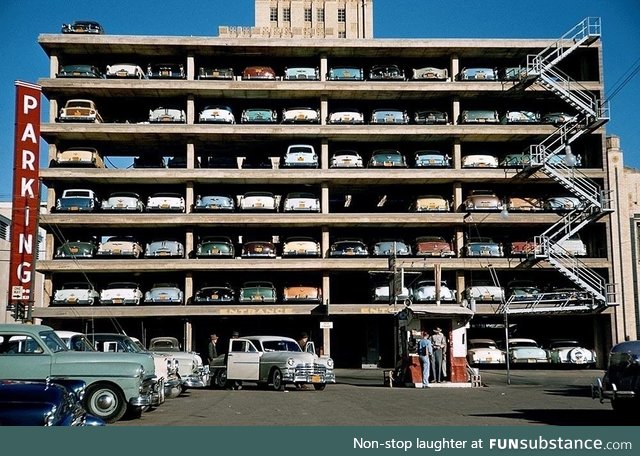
{"x": 21, "y": 58}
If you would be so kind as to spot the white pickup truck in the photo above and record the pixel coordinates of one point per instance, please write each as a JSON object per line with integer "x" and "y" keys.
{"x": 272, "y": 360}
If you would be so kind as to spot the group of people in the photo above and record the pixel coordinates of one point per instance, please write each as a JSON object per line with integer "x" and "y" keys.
{"x": 432, "y": 350}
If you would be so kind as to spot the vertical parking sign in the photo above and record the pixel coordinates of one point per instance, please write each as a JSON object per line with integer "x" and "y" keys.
{"x": 26, "y": 194}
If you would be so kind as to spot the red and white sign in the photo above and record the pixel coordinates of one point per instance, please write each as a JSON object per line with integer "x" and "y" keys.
{"x": 26, "y": 193}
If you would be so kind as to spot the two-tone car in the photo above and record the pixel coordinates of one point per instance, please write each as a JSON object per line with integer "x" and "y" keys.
{"x": 77, "y": 200}
{"x": 484, "y": 351}
{"x": 214, "y": 203}
{"x": 121, "y": 293}
{"x": 389, "y": 116}
{"x": 217, "y": 114}
{"x": 259, "y": 115}
{"x": 215, "y": 247}
{"x": 431, "y": 159}
{"x": 483, "y": 247}
{"x": 164, "y": 293}
{"x": 387, "y": 158}
{"x": 79, "y": 110}
{"x": 259, "y": 201}
{"x": 346, "y": 159}
{"x": 257, "y": 292}
{"x": 301, "y": 202}
{"x": 301, "y": 247}
{"x": 79, "y": 157}
{"x": 430, "y": 203}
{"x": 219, "y": 294}
{"x": 300, "y": 156}
{"x": 120, "y": 246}
{"x": 425, "y": 291}
{"x": 164, "y": 248}
{"x": 79, "y": 70}
{"x": 125, "y": 71}
{"x": 432, "y": 246}
{"x": 123, "y": 202}
{"x": 75, "y": 294}
{"x": 165, "y": 202}
{"x": 302, "y": 294}
{"x": 301, "y": 74}
{"x": 301, "y": 115}
{"x": 258, "y": 249}
{"x": 346, "y": 116}
{"x": 76, "y": 250}
{"x": 430, "y": 74}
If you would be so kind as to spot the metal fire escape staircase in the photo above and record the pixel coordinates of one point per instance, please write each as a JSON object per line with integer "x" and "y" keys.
{"x": 594, "y": 201}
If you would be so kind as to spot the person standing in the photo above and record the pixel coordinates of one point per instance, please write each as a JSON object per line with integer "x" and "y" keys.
{"x": 212, "y": 352}
{"x": 425, "y": 352}
{"x": 439, "y": 343}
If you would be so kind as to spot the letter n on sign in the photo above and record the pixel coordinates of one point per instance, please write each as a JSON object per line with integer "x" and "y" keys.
{"x": 26, "y": 193}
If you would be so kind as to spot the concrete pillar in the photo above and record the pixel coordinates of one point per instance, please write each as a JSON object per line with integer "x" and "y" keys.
{"x": 457, "y": 154}
{"x": 191, "y": 68}
{"x": 455, "y": 111}
{"x": 191, "y": 110}
{"x": 324, "y": 154}
{"x": 324, "y": 198}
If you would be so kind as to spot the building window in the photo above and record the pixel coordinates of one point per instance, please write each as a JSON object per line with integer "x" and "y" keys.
{"x": 286, "y": 14}
{"x": 320, "y": 15}
{"x": 342, "y": 15}
{"x": 307, "y": 14}
{"x": 342, "y": 34}
{"x": 273, "y": 14}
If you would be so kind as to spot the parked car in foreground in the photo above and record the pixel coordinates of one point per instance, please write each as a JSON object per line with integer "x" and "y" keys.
{"x": 263, "y": 292}
{"x": 346, "y": 159}
{"x": 483, "y": 247}
{"x": 526, "y": 351}
{"x": 300, "y": 156}
{"x": 570, "y": 352}
{"x": 79, "y": 71}
{"x": 479, "y": 161}
{"x": 75, "y": 294}
{"x": 193, "y": 373}
{"x": 121, "y": 293}
{"x": 170, "y": 70}
{"x": 90, "y": 27}
{"x": 301, "y": 74}
{"x": 389, "y": 116}
{"x": 216, "y": 73}
{"x": 425, "y": 291}
{"x": 431, "y": 117}
{"x": 482, "y": 200}
{"x": 348, "y": 248}
{"x": 125, "y": 71}
{"x": 346, "y": 116}
{"x": 345, "y": 73}
{"x": 430, "y": 74}
{"x": 478, "y": 74}
{"x": 214, "y": 203}
{"x": 167, "y": 115}
{"x": 79, "y": 110}
{"x": 214, "y": 295}
{"x": 164, "y": 293}
{"x": 259, "y": 115}
{"x": 259, "y": 201}
{"x": 259, "y": 73}
{"x": 215, "y": 247}
{"x": 165, "y": 248}
{"x": 79, "y": 157}
{"x": 484, "y": 351}
{"x": 430, "y": 203}
{"x": 76, "y": 249}
{"x": 474, "y": 116}
{"x": 216, "y": 114}
{"x": 431, "y": 159}
{"x": 120, "y": 246}
{"x": 621, "y": 381}
{"x": 301, "y": 202}
{"x": 123, "y": 202}
{"x": 301, "y": 247}
{"x": 434, "y": 246}
{"x": 77, "y": 200}
{"x": 302, "y": 294}
{"x": 386, "y": 73}
{"x": 165, "y": 202}
{"x": 387, "y": 158}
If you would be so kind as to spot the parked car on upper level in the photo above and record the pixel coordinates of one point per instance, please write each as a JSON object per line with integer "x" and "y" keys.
{"x": 217, "y": 114}
{"x": 386, "y": 73}
{"x": 479, "y": 161}
{"x": 149, "y": 160}
{"x": 430, "y": 203}
{"x": 516, "y": 160}
{"x": 483, "y": 247}
{"x": 433, "y": 246}
{"x": 214, "y": 203}
{"x": 125, "y": 70}
{"x": 558, "y": 118}
{"x": 79, "y": 70}
{"x": 169, "y": 248}
{"x": 301, "y": 202}
{"x": 562, "y": 203}
{"x": 167, "y": 115}
{"x": 259, "y": 115}
{"x": 80, "y": 157}
{"x": 77, "y": 200}
{"x": 478, "y": 74}
{"x": 164, "y": 293}
{"x": 258, "y": 72}
{"x": 165, "y": 202}
{"x": 166, "y": 71}
{"x": 430, "y": 74}
{"x": 386, "y": 248}
{"x": 522, "y": 290}
{"x": 484, "y": 292}
{"x": 345, "y": 73}
{"x": 520, "y": 117}
{"x": 384, "y": 158}
{"x": 482, "y": 200}
{"x": 527, "y": 351}
{"x": 348, "y": 248}
{"x": 484, "y": 351}
{"x": 258, "y": 249}
{"x": 301, "y": 74}
{"x": 570, "y": 352}
{"x": 301, "y": 247}
{"x": 300, "y": 156}
{"x": 257, "y": 292}
{"x": 76, "y": 249}
{"x": 193, "y": 373}
{"x": 473, "y": 116}
{"x": 302, "y": 294}
{"x": 123, "y": 202}
{"x": 425, "y": 291}
{"x": 120, "y": 246}
{"x": 214, "y": 294}
{"x": 431, "y": 159}
{"x": 431, "y": 117}
{"x": 346, "y": 116}
{"x": 524, "y": 204}
{"x": 621, "y": 381}
{"x": 124, "y": 293}
{"x": 91, "y": 27}
{"x": 346, "y": 159}
{"x": 75, "y": 293}
{"x": 301, "y": 115}
{"x": 215, "y": 247}
{"x": 259, "y": 201}
{"x": 79, "y": 110}
{"x": 215, "y": 73}
{"x": 389, "y": 116}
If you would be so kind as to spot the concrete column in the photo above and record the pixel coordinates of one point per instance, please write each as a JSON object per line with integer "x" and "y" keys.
{"x": 455, "y": 111}
{"x": 457, "y": 154}
{"x": 324, "y": 110}
{"x": 189, "y": 197}
{"x": 188, "y": 336}
{"x": 54, "y": 66}
{"x": 191, "y": 110}
{"x": 324, "y": 198}
{"x": 191, "y": 68}
{"x": 323, "y": 67}
{"x": 324, "y": 154}
{"x": 325, "y": 243}
{"x": 454, "y": 67}
{"x": 191, "y": 156}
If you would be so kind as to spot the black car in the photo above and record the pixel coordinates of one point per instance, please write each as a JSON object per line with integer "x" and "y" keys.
{"x": 621, "y": 382}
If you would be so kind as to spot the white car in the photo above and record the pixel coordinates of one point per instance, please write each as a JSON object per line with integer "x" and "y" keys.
{"x": 193, "y": 373}
{"x": 485, "y": 293}
{"x": 123, "y": 202}
{"x": 480, "y": 161}
{"x": 79, "y": 110}
{"x": 167, "y": 115}
{"x": 125, "y": 70}
{"x": 125, "y": 293}
{"x": 79, "y": 156}
{"x": 217, "y": 114}
{"x": 301, "y": 202}
{"x": 346, "y": 116}
{"x": 570, "y": 352}
{"x": 425, "y": 291}
{"x": 300, "y": 115}
{"x": 484, "y": 351}
{"x": 258, "y": 201}
{"x": 76, "y": 293}
{"x": 526, "y": 351}
{"x": 346, "y": 159}
{"x": 300, "y": 156}
{"x": 166, "y": 202}
{"x": 120, "y": 246}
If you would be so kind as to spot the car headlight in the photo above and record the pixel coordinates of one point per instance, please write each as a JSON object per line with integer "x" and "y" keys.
{"x": 291, "y": 362}
{"x": 330, "y": 363}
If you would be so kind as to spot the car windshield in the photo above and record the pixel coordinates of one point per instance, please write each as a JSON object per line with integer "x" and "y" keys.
{"x": 52, "y": 341}
{"x": 279, "y": 345}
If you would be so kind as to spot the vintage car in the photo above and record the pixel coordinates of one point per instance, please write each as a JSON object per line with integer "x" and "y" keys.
{"x": 125, "y": 71}
{"x": 387, "y": 247}
{"x": 482, "y": 200}
{"x": 387, "y": 158}
{"x": 301, "y": 74}
{"x": 114, "y": 382}
{"x": 76, "y": 249}
{"x": 573, "y": 246}
{"x": 484, "y": 292}
{"x": 522, "y": 248}
{"x": 91, "y": 27}
{"x": 621, "y": 381}
{"x": 258, "y": 249}
{"x": 300, "y": 156}
{"x": 425, "y": 291}
{"x": 77, "y": 200}
{"x": 386, "y": 73}
{"x": 272, "y": 360}
{"x": 259, "y": 115}
{"x": 120, "y": 246}
{"x": 165, "y": 202}
{"x": 431, "y": 117}
{"x": 216, "y": 73}
{"x": 558, "y": 118}
{"x": 435, "y": 246}
{"x": 484, "y": 351}
{"x": 259, "y": 201}
{"x": 389, "y": 116}
{"x": 257, "y": 160}
{"x": 300, "y": 115}
{"x": 562, "y": 203}
{"x": 167, "y": 115}
{"x": 124, "y": 293}
{"x": 431, "y": 159}
{"x": 570, "y": 352}
{"x": 526, "y": 351}
{"x": 516, "y": 160}
{"x": 302, "y": 294}
{"x": 75, "y": 294}
{"x": 430, "y": 203}
{"x": 214, "y": 203}
{"x": 479, "y": 161}
{"x": 166, "y": 248}
{"x": 524, "y": 204}
{"x": 79, "y": 71}
{"x": 123, "y": 202}
{"x": 258, "y": 73}
{"x": 346, "y": 159}
{"x": 483, "y": 247}
{"x": 44, "y": 403}
{"x": 193, "y": 373}
{"x": 79, "y": 156}
{"x": 257, "y": 292}
{"x": 217, "y": 114}
{"x": 345, "y": 73}
{"x": 149, "y": 160}
{"x": 346, "y": 116}
{"x": 164, "y": 293}
{"x": 381, "y": 293}
{"x": 79, "y": 110}
{"x": 301, "y": 247}
{"x": 214, "y": 294}
{"x": 215, "y": 247}
{"x": 478, "y": 74}
{"x": 348, "y": 248}
{"x": 166, "y": 71}
{"x": 520, "y": 117}
{"x": 301, "y": 202}
{"x": 522, "y": 290}
{"x": 474, "y": 116}
{"x": 430, "y": 74}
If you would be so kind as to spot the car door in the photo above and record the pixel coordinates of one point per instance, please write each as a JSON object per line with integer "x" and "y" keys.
{"x": 243, "y": 360}
{"x": 24, "y": 357}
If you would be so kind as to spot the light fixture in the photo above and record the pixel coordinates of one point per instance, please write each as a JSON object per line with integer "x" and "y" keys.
{"x": 569, "y": 159}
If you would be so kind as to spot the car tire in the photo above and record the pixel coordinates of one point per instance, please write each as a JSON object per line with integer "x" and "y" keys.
{"x": 276, "y": 380}
{"x": 319, "y": 386}
{"x": 106, "y": 402}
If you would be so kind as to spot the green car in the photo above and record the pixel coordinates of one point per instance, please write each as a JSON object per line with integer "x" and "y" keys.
{"x": 116, "y": 382}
